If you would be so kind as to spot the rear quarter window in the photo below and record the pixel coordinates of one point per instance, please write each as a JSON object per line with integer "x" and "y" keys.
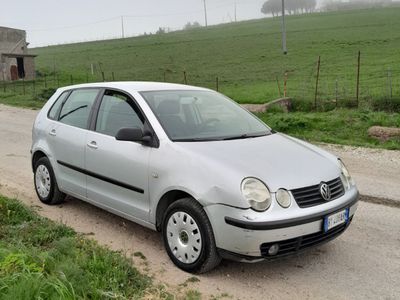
{"x": 76, "y": 109}
{"x": 55, "y": 109}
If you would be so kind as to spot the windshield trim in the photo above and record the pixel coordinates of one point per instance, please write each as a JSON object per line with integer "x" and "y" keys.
{"x": 268, "y": 131}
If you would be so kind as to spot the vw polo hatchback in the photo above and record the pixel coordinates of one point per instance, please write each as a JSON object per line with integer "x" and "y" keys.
{"x": 191, "y": 163}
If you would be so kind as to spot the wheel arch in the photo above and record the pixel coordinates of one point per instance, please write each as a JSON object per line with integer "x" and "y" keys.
{"x": 38, "y": 154}
{"x": 166, "y": 200}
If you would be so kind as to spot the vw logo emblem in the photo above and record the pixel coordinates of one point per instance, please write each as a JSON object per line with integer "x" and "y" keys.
{"x": 325, "y": 191}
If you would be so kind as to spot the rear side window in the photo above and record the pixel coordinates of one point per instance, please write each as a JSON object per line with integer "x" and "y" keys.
{"x": 55, "y": 109}
{"x": 75, "y": 111}
{"x": 117, "y": 111}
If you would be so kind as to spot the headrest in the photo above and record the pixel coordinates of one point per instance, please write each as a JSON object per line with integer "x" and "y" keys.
{"x": 119, "y": 106}
{"x": 169, "y": 107}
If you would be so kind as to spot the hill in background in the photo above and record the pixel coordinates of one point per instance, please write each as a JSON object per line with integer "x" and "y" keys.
{"x": 247, "y": 57}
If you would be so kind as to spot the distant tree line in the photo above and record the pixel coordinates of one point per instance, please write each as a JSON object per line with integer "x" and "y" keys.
{"x": 335, "y": 5}
{"x": 193, "y": 25}
{"x": 274, "y": 7}
{"x": 292, "y": 7}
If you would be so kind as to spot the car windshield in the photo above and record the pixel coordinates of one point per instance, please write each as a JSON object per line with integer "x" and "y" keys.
{"x": 193, "y": 115}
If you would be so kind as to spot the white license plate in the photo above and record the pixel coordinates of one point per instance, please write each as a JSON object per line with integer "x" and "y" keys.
{"x": 336, "y": 219}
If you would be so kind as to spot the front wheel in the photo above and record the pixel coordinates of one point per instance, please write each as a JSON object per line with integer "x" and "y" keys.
{"x": 189, "y": 238}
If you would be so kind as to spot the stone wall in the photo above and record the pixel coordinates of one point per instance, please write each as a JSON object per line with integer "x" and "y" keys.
{"x": 14, "y": 41}
{"x": 29, "y": 63}
{"x": 12, "y": 38}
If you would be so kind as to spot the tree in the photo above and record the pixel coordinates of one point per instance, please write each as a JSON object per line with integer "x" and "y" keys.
{"x": 273, "y": 7}
{"x": 310, "y": 5}
{"x": 193, "y": 25}
{"x": 161, "y": 30}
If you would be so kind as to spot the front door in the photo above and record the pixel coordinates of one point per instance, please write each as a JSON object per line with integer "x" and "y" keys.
{"x": 117, "y": 170}
{"x": 14, "y": 72}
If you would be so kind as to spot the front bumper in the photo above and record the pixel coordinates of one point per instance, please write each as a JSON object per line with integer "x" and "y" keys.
{"x": 243, "y": 234}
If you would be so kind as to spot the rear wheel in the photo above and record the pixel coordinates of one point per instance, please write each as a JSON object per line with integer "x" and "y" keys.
{"x": 45, "y": 183}
{"x": 189, "y": 238}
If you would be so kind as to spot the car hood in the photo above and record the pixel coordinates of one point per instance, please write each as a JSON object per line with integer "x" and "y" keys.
{"x": 278, "y": 160}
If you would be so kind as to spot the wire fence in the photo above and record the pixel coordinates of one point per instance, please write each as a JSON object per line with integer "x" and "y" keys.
{"x": 311, "y": 87}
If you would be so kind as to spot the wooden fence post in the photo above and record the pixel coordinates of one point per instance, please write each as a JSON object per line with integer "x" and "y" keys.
{"x": 217, "y": 83}
{"x": 336, "y": 92}
{"x": 184, "y": 77}
{"x": 113, "y": 77}
{"x": 279, "y": 86}
{"x": 390, "y": 90}
{"x": 285, "y": 85}
{"x": 45, "y": 81}
{"x": 71, "y": 80}
{"x": 4, "y": 82}
{"x": 317, "y": 82}
{"x": 358, "y": 77}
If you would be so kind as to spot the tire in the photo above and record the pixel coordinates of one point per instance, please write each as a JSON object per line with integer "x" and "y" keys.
{"x": 189, "y": 238}
{"x": 46, "y": 184}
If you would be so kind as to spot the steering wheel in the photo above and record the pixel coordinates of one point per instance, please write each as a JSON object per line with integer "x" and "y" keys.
{"x": 208, "y": 122}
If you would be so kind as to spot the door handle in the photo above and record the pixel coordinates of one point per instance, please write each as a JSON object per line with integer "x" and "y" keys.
{"x": 92, "y": 145}
{"x": 53, "y": 132}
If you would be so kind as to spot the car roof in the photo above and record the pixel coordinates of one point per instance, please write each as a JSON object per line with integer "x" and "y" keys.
{"x": 136, "y": 86}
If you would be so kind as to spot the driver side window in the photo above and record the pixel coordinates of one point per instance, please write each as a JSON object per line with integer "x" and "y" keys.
{"x": 117, "y": 111}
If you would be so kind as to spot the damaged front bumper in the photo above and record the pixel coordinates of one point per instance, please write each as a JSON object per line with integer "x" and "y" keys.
{"x": 246, "y": 235}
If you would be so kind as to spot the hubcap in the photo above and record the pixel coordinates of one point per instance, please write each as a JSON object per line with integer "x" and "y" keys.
{"x": 184, "y": 239}
{"x": 42, "y": 181}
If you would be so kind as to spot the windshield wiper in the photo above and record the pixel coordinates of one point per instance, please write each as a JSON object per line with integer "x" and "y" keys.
{"x": 238, "y": 137}
{"x": 245, "y": 136}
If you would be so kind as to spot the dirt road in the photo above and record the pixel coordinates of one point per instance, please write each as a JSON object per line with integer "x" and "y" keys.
{"x": 364, "y": 263}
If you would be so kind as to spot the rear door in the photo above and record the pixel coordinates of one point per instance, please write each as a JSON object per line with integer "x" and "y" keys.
{"x": 67, "y": 138}
{"x": 117, "y": 170}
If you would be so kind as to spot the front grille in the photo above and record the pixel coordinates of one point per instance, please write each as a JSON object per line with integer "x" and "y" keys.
{"x": 311, "y": 195}
{"x": 297, "y": 244}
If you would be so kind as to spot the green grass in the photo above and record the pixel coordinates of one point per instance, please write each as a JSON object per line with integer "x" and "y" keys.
{"x": 24, "y": 101}
{"x": 40, "y": 259}
{"x": 247, "y": 56}
{"x": 343, "y": 126}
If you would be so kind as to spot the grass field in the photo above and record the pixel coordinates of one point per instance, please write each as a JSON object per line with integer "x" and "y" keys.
{"x": 40, "y": 259}
{"x": 343, "y": 126}
{"x": 247, "y": 57}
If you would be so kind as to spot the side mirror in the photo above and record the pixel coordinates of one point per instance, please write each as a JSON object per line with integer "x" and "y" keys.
{"x": 132, "y": 135}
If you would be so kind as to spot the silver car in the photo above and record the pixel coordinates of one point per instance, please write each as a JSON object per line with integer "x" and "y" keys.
{"x": 191, "y": 163}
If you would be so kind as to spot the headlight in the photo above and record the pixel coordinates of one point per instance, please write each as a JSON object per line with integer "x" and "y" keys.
{"x": 283, "y": 198}
{"x": 256, "y": 193}
{"x": 346, "y": 175}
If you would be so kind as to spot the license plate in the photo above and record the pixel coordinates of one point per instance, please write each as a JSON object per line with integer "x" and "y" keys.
{"x": 336, "y": 219}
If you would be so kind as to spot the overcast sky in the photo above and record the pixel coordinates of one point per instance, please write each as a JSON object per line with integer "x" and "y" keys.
{"x": 62, "y": 21}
